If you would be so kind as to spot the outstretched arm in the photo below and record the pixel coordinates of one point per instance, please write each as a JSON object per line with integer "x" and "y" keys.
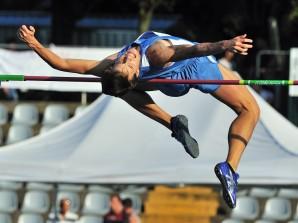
{"x": 239, "y": 44}
{"x": 164, "y": 52}
{"x": 26, "y": 34}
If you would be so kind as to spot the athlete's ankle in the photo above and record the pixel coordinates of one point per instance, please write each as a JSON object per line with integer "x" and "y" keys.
{"x": 233, "y": 169}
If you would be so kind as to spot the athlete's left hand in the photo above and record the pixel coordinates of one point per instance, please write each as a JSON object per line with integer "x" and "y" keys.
{"x": 241, "y": 44}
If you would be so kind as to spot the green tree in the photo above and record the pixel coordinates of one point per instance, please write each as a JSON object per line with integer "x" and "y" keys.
{"x": 293, "y": 16}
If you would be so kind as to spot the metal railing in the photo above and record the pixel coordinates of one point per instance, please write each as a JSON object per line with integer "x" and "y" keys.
{"x": 262, "y": 53}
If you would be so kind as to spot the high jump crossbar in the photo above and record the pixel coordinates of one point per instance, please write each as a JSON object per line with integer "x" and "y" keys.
{"x": 20, "y": 77}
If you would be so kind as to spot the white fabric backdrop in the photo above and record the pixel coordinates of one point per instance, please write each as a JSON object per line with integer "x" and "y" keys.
{"x": 111, "y": 143}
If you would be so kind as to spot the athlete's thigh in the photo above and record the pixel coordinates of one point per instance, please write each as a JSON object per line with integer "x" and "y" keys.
{"x": 235, "y": 96}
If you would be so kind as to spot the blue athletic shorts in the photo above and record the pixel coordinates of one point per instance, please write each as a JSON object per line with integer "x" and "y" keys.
{"x": 200, "y": 68}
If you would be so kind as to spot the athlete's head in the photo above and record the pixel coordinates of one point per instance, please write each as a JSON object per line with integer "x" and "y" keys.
{"x": 123, "y": 76}
{"x": 116, "y": 84}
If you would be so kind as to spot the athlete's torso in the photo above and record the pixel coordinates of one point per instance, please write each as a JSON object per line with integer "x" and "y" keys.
{"x": 183, "y": 69}
{"x": 146, "y": 40}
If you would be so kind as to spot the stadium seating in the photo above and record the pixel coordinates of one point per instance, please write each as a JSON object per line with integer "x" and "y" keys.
{"x": 45, "y": 128}
{"x": 260, "y": 192}
{"x": 90, "y": 219}
{"x": 55, "y": 114}
{"x": 30, "y": 218}
{"x": 98, "y": 188}
{"x": 247, "y": 209}
{"x": 163, "y": 204}
{"x": 79, "y": 109}
{"x": 25, "y": 114}
{"x": 5, "y": 218}
{"x": 17, "y": 133}
{"x": 36, "y": 202}
{"x": 242, "y": 192}
{"x": 71, "y": 187}
{"x": 288, "y": 193}
{"x": 3, "y": 114}
{"x": 277, "y": 209}
{"x": 96, "y": 203}
{"x": 264, "y": 221}
{"x": 1, "y": 136}
{"x": 8, "y": 201}
{"x": 230, "y": 220}
{"x": 28, "y": 114}
{"x": 39, "y": 186}
{"x": 10, "y": 185}
{"x": 40, "y": 116}
{"x": 132, "y": 189}
{"x": 296, "y": 212}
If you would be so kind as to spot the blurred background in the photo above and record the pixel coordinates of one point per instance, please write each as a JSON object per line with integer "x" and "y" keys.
{"x": 101, "y": 24}
{"x": 98, "y": 23}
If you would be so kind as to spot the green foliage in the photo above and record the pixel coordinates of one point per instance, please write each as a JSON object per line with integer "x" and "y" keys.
{"x": 293, "y": 16}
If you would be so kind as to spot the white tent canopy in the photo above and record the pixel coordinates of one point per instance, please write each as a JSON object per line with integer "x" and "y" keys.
{"x": 109, "y": 142}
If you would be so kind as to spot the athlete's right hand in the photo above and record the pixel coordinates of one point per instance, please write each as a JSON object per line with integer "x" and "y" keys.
{"x": 26, "y": 34}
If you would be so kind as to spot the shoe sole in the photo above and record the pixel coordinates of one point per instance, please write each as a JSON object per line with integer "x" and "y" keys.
{"x": 226, "y": 195}
{"x": 191, "y": 145}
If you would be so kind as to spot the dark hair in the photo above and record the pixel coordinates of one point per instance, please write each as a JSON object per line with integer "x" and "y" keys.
{"x": 116, "y": 85}
{"x": 127, "y": 203}
{"x": 64, "y": 200}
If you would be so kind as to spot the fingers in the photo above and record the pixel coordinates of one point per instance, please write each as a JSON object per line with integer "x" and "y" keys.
{"x": 24, "y": 28}
{"x": 243, "y": 39}
{"x": 20, "y": 33}
{"x": 240, "y": 52}
{"x": 242, "y": 44}
{"x": 25, "y": 33}
{"x": 32, "y": 29}
{"x": 27, "y": 30}
{"x": 246, "y": 40}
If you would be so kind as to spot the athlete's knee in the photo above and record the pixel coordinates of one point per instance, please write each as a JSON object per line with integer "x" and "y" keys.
{"x": 254, "y": 108}
{"x": 257, "y": 111}
{"x": 251, "y": 107}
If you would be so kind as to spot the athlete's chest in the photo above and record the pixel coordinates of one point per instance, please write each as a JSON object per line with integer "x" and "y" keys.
{"x": 158, "y": 54}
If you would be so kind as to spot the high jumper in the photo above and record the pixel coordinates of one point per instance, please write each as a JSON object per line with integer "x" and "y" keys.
{"x": 157, "y": 55}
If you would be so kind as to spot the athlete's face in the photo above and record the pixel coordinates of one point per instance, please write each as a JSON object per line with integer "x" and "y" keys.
{"x": 128, "y": 65}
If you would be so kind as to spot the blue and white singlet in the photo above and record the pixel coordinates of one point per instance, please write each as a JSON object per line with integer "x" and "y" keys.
{"x": 199, "y": 68}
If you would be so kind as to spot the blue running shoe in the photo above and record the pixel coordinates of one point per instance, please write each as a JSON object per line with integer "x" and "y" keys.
{"x": 228, "y": 180}
{"x": 179, "y": 126}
